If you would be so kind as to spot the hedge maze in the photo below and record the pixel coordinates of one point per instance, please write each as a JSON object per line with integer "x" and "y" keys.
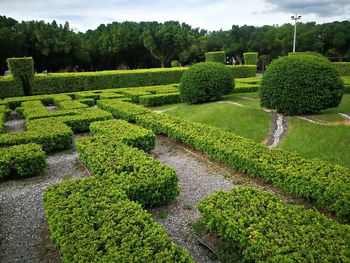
{"x": 102, "y": 218}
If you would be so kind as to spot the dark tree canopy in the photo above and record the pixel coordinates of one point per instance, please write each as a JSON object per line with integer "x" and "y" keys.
{"x": 56, "y": 47}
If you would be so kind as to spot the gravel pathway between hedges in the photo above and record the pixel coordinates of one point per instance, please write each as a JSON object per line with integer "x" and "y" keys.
{"x": 198, "y": 178}
{"x": 24, "y": 233}
{"x": 279, "y": 129}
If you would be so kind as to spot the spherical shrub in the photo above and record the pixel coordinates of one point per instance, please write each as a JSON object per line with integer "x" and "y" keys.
{"x": 300, "y": 85}
{"x": 175, "y": 63}
{"x": 205, "y": 82}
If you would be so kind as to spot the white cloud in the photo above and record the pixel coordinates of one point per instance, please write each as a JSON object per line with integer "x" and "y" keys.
{"x": 207, "y": 14}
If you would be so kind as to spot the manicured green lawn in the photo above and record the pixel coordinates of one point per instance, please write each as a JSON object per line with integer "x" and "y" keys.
{"x": 332, "y": 115}
{"x": 250, "y": 122}
{"x": 330, "y": 143}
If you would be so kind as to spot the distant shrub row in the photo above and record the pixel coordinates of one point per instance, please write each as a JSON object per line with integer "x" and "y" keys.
{"x": 326, "y": 184}
{"x": 24, "y": 84}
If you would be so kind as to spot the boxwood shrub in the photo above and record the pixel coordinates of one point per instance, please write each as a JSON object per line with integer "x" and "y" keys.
{"x": 125, "y": 132}
{"x": 160, "y": 99}
{"x": 92, "y": 221}
{"x": 343, "y": 68}
{"x": 10, "y": 87}
{"x": 283, "y": 89}
{"x": 250, "y": 58}
{"x": 242, "y": 71}
{"x": 22, "y": 161}
{"x": 325, "y": 184}
{"x": 22, "y": 70}
{"x": 256, "y": 226}
{"x": 216, "y": 56}
{"x": 205, "y": 82}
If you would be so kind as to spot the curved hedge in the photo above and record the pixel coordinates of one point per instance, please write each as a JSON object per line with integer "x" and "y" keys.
{"x": 205, "y": 82}
{"x": 300, "y": 84}
{"x": 216, "y": 56}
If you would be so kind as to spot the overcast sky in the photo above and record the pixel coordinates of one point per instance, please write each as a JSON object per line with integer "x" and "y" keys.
{"x": 207, "y": 14}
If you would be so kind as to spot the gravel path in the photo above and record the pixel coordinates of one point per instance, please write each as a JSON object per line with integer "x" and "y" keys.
{"x": 311, "y": 120}
{"x": 15, "y": 124}
{"x": 345, "y": 115}
{"x": 279, "y": 129}
{"x": 198, "y": 178}
{"x": 24, "y": 233}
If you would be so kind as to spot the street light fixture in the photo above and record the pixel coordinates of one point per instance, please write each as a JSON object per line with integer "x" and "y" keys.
{"x": 295, "y": 18}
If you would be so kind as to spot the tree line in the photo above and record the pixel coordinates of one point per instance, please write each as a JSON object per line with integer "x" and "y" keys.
{"x": 57, "y": 47}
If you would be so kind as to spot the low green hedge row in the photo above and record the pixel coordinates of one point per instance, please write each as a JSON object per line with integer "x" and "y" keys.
{"x": 71, "y": 104}
{"x": 346, "y": 81}
{"x": 326, "y": 184}
{"x": 256, "y": 226}
{"x": 252, "y": 80}
{"x": 142, "y": 177}
{"x": 2, "y": 122}
{"x": 160, "y": 99}
{"x": 80, "y": 122}
{"x": 89, "y": 102}
{"x": 122, "y": 109}
{"x": 243, "y": 71}
{"x": 70, "y": 82}
{"x": 245, "y": 87}
{"x": 125, "y": 132}
{"x": 136, "y": 93}
{"x": 92, "y": 221}
{"x": 51, "y": 135}
{"x": 343, "y": 68}
{"x": 22, "y": 161}
{"x": 10, "y": 87}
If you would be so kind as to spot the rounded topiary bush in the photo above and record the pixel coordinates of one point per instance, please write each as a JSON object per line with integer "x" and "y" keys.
{"x": 205, "y": 82}
{"x": 300, "y": 85}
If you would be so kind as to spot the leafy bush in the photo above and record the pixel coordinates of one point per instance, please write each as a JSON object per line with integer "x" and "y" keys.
{"x": 309, "y": 53}
{"x": 51, "y": 135}
{"x": 343, "y": 68}
{"x": 217, "y": 56}
{"x": 205, "y": 82}
{"x": 88, "y": 102}
{"x": 300, "y": 84}
{"x": 250, "y": 58}
{"x": 125, "y": 132}
{"x": 175, "y": 63}
{"x": 257, "y": 226}
{"x": 2, "y": 122}
{"x": 159, "y": 99}
{"x": 71, "y": 104}
{"x": 10, "y": 87}
{"x": 22, "y": 70}
{"x": 242, "y": 71}
{"x": 92, "y": 221}
{"x": 22, "y": 161}
{"x": 346, "y": 81}
{"x": 143, "y": 178}
{"x": 326, "y": 184}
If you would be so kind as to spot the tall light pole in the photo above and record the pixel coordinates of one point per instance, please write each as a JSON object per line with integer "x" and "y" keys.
{"x": 295, "y": 18}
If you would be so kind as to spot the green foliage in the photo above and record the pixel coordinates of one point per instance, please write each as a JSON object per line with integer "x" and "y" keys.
{"x": 308, "y": 53}
{"x": 125, "y": 132}
{"x": 22, "y": 70}
{"x": 205, "y": 82}
{"x": 88, "y": 102}
{"x": 175, "y": 64}
{"x": 71, "y": 104}
{"x": 143, "y": 178}
{"x": 72, "y": 82}
{"x": 159, "y": 99}
{"x": 326, "y": 184}
{"x": 217, "y": 56}
{"x": 256, "y": 226}
{"x": 242, "y": 71}
{"x": 10, "y": 87}
{"x": 343, "y": 68}
{"x": 346, "y": 81}
{"x": 2, "y": 121}
{"x": 92, "y": 221}
{"x": 250, "y": 58}
{"x": 243, "y": 87}
{"x": 22, "y": 161}
{"x": 51, "y": 135}
{"x": 300, "y": 84}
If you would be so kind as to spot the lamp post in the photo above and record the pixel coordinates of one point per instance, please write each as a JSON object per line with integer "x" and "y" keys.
{"x": 295, "y": 18}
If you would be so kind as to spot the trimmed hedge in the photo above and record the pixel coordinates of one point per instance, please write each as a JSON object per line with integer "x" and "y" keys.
{"x": 343, "y": 68}
{"x": 205, "y": 82}
{"x": 125, "y": 132}
{"x": 217, "y": 56}
{"x": 160, "y": 99}
{"x": 308, "y": 53}
{"x": 71, "y": 104}
{"x": 10, "y": 87}
{"x": 250, "y": 58}
{"x": 143, "y": 178}
{"x": 256, "y": 226}
{"x": 243, "y": 87}
{"x": 13, "y": 103}
{"x": 252, "y": 80}
{"x": 175, "y": 63}
{"x": 92, "y": 221}
{"x": 2, "y": 122}
{"x": 283, "y": 89}
{"x": 88, "y": 102}
{"x": 242, "y": 71}
{"x": 22, "y": 70}
{"x": 22, "y": 161}
{"x": 51, "y": 135}
{"x": 71, "y": 82}
{"x": 327, "y": 185}
{"x": 346, "y": 81}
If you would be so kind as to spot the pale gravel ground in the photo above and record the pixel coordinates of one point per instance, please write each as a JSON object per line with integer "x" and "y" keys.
{"x": 198, "y": 178}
